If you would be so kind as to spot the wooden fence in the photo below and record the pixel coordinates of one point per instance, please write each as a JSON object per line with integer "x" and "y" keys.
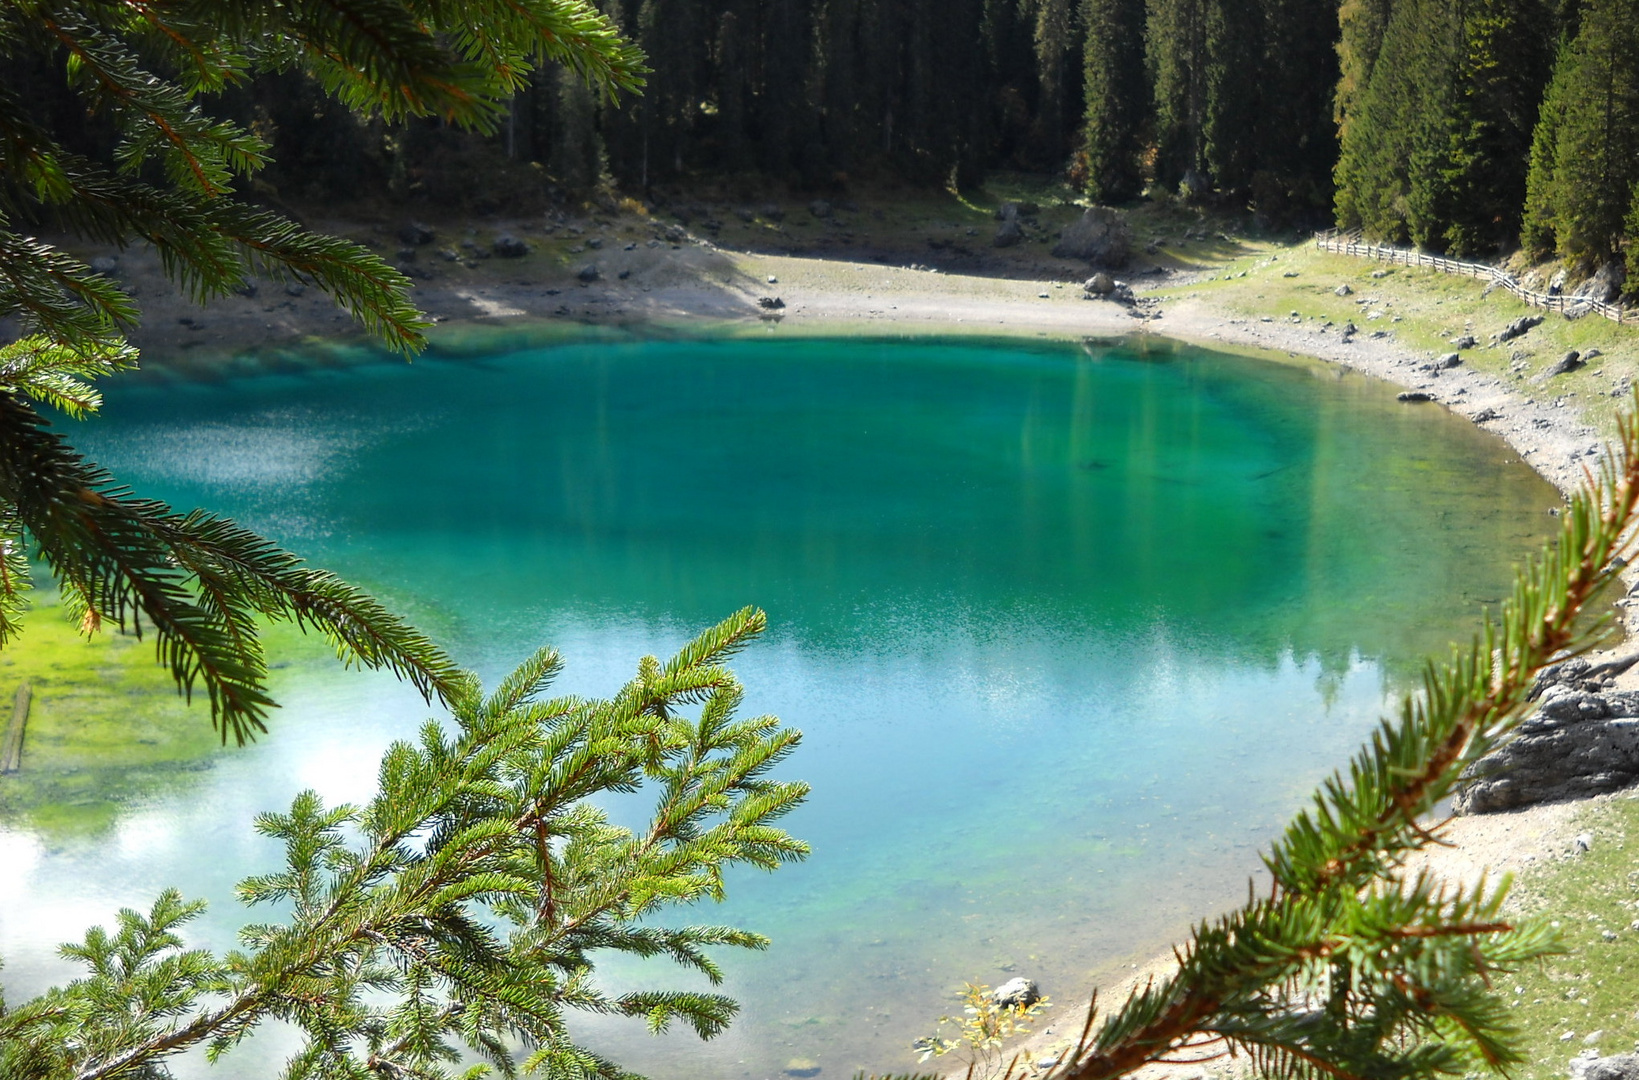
{"x": 1350, "y": 243}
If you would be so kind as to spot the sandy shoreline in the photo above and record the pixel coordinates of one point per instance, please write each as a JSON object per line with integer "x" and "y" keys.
{"x": 694, "y": 284}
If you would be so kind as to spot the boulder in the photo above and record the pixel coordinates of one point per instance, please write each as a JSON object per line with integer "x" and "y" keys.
{"x": 1582, "y": 740}
{"x": 1343, "y": 290}
{"x": 1519, "y": 327}
{"x": 1446, "y": 362}
{"x": 1008, "y": 233}
{"x": 1414, "y": 396}
{"x": 770, "y": 303}
{"x": 413, "y": 232}
{"x": 1100, "y": 284}
{"x": 1100, "y": 236}
{"x": 1567, "y": 363}
{"x": 1193, "y": 186}
{"x": 589, "y": 273}
{"x": 1467, "y": 341}
{"x": 1016, "y": 993}
{"x": 1008, "y": 211}
{"x": 508, "y": 246}
{"x": 1615, "y": 1067}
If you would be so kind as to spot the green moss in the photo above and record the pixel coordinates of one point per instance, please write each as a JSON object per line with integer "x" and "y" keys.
{"x": 106, "y": 725}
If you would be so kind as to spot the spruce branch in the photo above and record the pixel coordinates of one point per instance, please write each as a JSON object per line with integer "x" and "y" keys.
{"x": 1348, "y": 968}
{"x": 412, "y": 932}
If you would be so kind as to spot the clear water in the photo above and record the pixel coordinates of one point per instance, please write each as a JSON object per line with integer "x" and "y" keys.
{"x": 1069, "y": 629}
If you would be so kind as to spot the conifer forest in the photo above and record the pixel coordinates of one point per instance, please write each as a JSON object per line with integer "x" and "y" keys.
{"x": 1464, "y": 127}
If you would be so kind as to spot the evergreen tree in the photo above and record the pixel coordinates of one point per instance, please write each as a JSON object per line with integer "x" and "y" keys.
{"x": 1294, "y": 132}
{"x": 462, "y": 909}
{"x": 1175, "y": 37}
{"x": 1117, "y": 98}
{"x": 1585, "y": 158}
{"x": 1436, "y": 145}
{"x": 197, "y": 582}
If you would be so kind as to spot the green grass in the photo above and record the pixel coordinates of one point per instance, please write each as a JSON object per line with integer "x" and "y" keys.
{"x": 1592, "y": 990}
{"x": 1425, "y": 310}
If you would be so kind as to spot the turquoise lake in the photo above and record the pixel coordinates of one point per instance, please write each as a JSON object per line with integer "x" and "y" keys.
{"x": 1069, "y": 628}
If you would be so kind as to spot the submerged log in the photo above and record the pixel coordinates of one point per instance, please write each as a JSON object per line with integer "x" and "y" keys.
{"x": 11, "y": 751}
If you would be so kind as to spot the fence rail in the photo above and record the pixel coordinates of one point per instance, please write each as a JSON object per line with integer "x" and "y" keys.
{"x": 1350, "y": 243}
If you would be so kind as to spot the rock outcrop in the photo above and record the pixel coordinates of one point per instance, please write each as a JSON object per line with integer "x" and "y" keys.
{"x": 1582, "y": 740}
{"x": 1100, "y": 236}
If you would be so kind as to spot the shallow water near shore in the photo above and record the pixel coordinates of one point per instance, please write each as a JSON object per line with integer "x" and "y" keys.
{"x": 1069, "y": 629}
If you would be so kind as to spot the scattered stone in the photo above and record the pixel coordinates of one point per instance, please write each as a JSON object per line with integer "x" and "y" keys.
{"x": 246, "y": 288}
{"x": 448, "y": 254}
{"x": 589, "y": 273}
{"x": 406, "y": 254}
{"x": 105, "y": 264}
{"x": 1608, "y": 935}
{"x": 1467, "y": 341}
{"x": 1447, "y": 362}
{"x": 1381, "y": 273}
{"x": 413, "y": 232}
{"x": 1100, "y": 236}
{"x": 1486, "y": 415}
{"x": 1583, "y": 842}
{"x": 1016, "y": 993}
{"x": 295, "y": 288}
{"x": 770, "y": 303}
{"x": 1290, "y": 273}
{"x": 820, "y": 208}
{"x": 1567, "y": 363}
{"x": 1100, "y": 284}
{"x": 595, "y": 243}
{"x": 1349, "y": 330}
{"x": 1008, "y": 233}
{"x": 1414, "y": 396}
{"x": 508, "y": 246}
{"x": 772, "y": 280}
{"x": 1519, "y": 327}
{"x": 1343, "y": 290}
{"x": 624, "y": 274}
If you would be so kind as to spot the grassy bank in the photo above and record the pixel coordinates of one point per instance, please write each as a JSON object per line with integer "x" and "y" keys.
{"x": 1585, "y": 998}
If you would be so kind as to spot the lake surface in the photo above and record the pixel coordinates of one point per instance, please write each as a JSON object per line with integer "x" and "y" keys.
{"x": 1070, "y": 629}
